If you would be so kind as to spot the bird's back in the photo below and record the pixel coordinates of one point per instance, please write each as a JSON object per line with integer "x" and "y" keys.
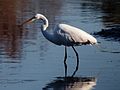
{"x": 75, "y": 35}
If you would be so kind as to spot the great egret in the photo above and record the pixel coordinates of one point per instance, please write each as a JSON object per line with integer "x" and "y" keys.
{"x": 64, "y": 34}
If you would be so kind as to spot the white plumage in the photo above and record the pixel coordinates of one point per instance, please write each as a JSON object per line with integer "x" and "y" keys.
{"x": 65, "y": 35}
{"x": 77, "y": 34}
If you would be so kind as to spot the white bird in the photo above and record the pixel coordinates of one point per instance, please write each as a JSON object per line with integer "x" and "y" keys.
{"x": 64, "y": 34}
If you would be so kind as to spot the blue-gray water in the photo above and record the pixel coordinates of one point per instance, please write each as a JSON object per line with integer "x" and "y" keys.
{"x": 29, "y": 62}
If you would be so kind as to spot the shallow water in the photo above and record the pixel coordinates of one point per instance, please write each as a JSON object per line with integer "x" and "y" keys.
{"x": 28, "y": 61}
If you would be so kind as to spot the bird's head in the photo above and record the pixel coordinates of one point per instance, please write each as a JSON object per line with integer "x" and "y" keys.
{"x": 38, "y": 17}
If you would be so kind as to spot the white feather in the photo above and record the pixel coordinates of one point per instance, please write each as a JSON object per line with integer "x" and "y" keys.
{"x": 77, "y": 34}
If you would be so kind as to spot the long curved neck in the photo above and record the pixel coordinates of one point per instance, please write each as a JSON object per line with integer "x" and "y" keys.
{"x": 45, "y": 21}
{"x": 45, "y": 32}
{"x": 48, "y": 35}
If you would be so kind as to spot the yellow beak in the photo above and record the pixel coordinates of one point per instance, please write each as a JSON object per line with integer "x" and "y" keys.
{"x": 29, "y": 21}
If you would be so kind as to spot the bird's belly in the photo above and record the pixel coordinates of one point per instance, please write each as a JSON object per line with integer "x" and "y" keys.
{"x": 66, "y": 43}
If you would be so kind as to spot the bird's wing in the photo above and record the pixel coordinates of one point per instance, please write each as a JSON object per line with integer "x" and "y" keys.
{"x": 77, "y": 35}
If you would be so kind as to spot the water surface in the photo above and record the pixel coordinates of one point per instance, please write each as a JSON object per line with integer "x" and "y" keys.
{"x": 29, "y": 62}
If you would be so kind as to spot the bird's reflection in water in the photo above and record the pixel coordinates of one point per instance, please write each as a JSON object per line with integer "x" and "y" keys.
{"x": 71, "y": 82}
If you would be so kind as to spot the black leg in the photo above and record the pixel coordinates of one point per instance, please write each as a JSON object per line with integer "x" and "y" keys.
{"x": 77, "y": 61}
{"x": 65, "y": 58}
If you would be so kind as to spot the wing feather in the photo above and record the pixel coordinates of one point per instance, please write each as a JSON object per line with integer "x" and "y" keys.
{"x": 77, "y": 35}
